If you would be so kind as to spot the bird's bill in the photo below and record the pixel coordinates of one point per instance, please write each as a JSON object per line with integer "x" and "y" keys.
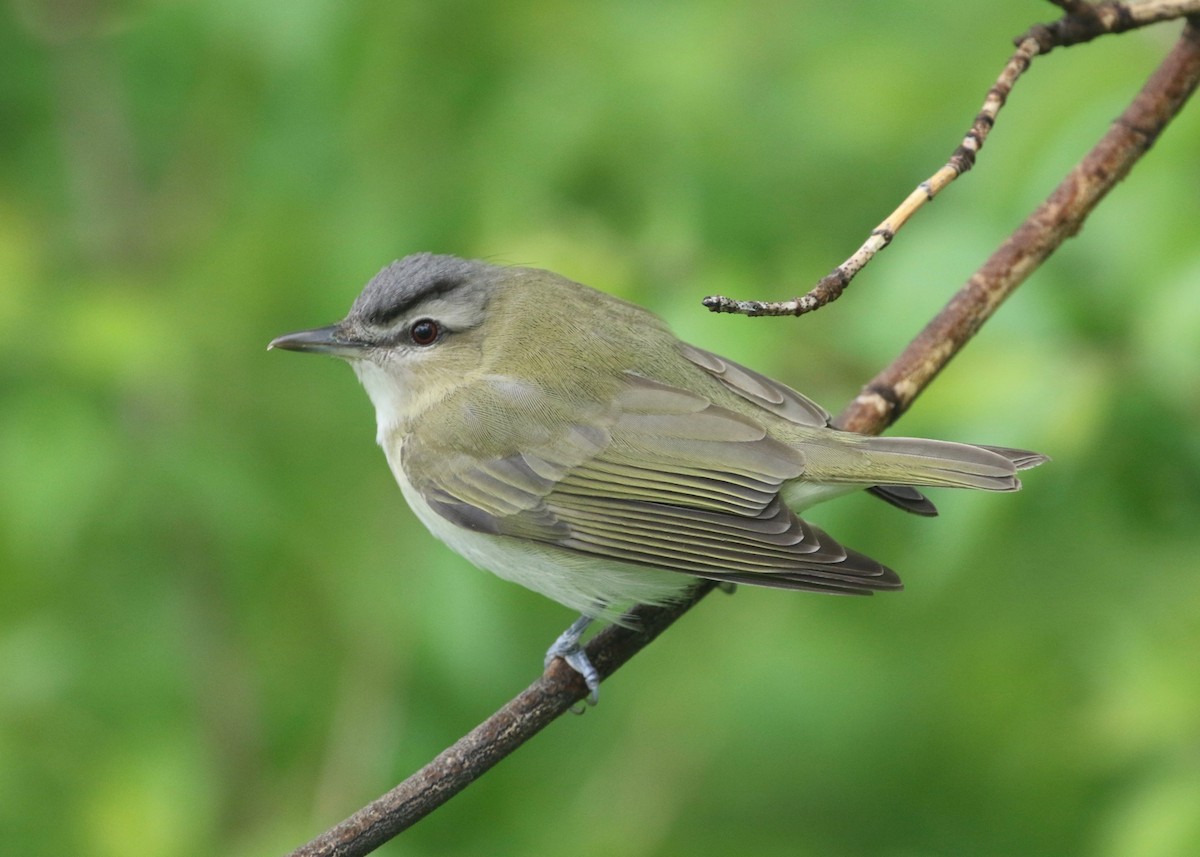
{"x": 320, "y": 340}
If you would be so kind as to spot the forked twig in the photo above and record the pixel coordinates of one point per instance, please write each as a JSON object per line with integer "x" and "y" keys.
{"x": 880, "y": 403}
{"x": 1132, "y": 134}
{"x": 1082, "y": 23}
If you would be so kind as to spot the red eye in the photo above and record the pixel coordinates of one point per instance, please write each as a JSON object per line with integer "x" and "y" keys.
{"x": 424, "y": 332}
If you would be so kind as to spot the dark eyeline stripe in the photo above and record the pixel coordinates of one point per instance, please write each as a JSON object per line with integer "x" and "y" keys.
{"x": 384, "y": 315}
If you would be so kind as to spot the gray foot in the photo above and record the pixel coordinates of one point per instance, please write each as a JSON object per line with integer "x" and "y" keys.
{"x": 568, "y": 648}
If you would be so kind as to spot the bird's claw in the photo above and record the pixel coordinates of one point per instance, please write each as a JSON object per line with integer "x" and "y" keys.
{"x": 568, "y": 647}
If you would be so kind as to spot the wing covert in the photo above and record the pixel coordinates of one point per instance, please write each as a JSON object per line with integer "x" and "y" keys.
{"x": 664, "y": 479}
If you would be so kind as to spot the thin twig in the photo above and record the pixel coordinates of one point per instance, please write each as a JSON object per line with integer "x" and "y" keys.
{"x": 1086, "y": 21}
{"x": 879, "y": 405}
{"x": 1083, "y": 23}
{"x": 1062, "y": 215}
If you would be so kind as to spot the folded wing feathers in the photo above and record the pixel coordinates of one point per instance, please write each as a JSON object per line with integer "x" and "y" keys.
{"x": 765, "y": 392}
{"x": 671, "y": 481}
{"x": 812, "y": 560}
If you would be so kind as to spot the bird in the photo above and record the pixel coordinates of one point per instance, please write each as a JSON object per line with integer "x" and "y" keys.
{"x": 566, "y": 440}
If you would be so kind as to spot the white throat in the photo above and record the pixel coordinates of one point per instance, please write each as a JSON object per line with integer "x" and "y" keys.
{"x": 390, "y": 394}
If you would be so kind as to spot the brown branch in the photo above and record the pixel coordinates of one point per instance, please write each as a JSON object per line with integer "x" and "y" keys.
{"x": 1062, "y": 215}
{"x": 456, "y": 767}
{"x": 1083, "y": 23}
{"x": 1072, "y": 7}
{"x": 872, "y": 411}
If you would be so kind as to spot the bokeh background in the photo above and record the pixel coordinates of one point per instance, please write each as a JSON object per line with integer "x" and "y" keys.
{"x": 220, "y": 628}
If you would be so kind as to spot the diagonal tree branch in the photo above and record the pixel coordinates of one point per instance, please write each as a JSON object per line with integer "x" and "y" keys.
{"x": 1081, "y": 23}
{"x": 874, "y": 409}
{"x": 456, "y": 767}
{"x": 890, "y": 393}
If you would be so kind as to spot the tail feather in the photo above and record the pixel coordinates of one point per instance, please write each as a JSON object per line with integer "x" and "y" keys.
{"x": 905, "y": 497}
{"x": 922, "y": 462}
{"x": 1022, "y": 459}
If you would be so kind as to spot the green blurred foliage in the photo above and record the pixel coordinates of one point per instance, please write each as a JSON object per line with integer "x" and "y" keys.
{"x": 220, "y": 629}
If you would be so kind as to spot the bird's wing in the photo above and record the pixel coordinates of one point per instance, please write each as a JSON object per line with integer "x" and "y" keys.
{"x": 765, "y": 392}
{"x": 664, "y": 479}
{"x": 794, "y": 406}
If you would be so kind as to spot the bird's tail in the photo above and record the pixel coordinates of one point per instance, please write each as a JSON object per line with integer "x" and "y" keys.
{"x": 926, "y": 463}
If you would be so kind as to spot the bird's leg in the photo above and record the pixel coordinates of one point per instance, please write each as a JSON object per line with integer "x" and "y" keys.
{"x": 568, "y": 648}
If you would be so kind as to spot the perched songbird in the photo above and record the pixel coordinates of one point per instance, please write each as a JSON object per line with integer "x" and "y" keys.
{"x": 568, "y": 441}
